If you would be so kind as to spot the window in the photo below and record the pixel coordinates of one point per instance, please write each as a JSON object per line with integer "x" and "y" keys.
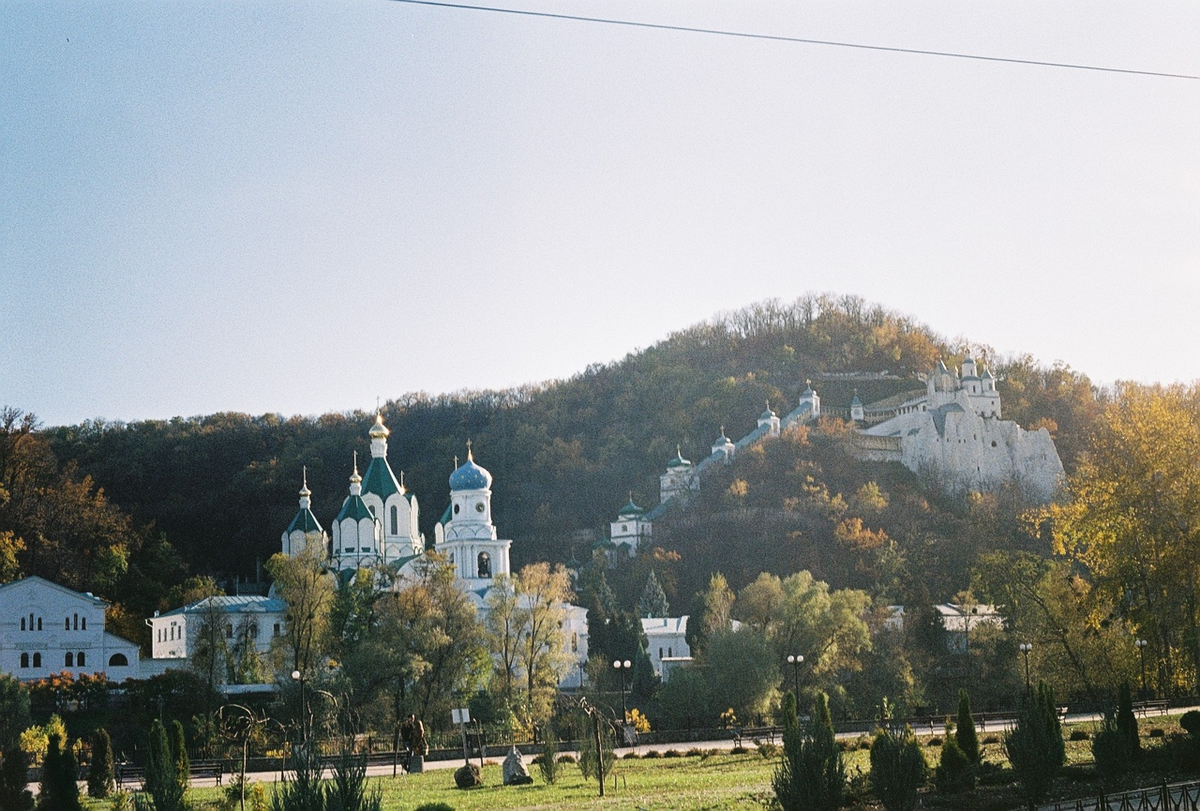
{"x": 31, "y": 621}
{"x": 228, "y": 631}
{"x": 37, "y": 660}
{"x": 395, "y": 520}
{"x": 254, "y": 630}
{"x": 79, "y": 660}
{"x": 277, "y": 630}
{"x": 118, "y": 660}
{"x": 66, "y": 623}
{"x": 456, "y": 509}
{"x": 39, "y": 623}
{"x": 69, "y": 660}
{"x": 22, "y": 623}
{"x": 574, "y": 643}
{"x": 660, "y": 653}
{"x": 485, "y": 564}
{"x": 83, "y": 623}
{"x": 24, "y": 656}
{"x": 76, "y": 622}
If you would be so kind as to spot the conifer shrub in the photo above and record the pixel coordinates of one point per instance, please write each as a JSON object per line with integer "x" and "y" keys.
{"x": 1190, "y": 721}
{"x": 1110, "y": 749}
{"x": 548, "y": 762}
{"x": 100, "y": 779}
{"x": 934, "y": 741}
{"x": 1079, "y": 735}
{"x": 59, "y": 790}
{"x": 898, "y": 768}
{"x": 964, "y": 732}
{"x": 179, "y": 755}
{"x": 161, "y": 782}
{"x": 811, "y": 773}
{"x": 1127, "y": 725}
{"x": 955, "y": 772}
{"x": 14, "y": 774}
{"x": 1035, "y": 745}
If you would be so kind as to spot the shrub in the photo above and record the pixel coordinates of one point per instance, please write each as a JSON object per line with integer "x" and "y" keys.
{"x": 955, "y": 771}
{"x": 631, "y": 755}
{"x": 672, "y": 753}
{"x": 1190, "y": 721}
{"x": 1035, "y": 745}
{"x": 1127, "y": 725}
{"x": 694, "y": 752}
{"x": 160, "y": 782}
{"x": 566, "y": 758}
{"x": 1111, "y": 749}
{"x": 964, "y": 733}
{"x": 100, "y": 781}
{"x": 811, "y": 774}
{"x": 14, "y": 772}
{"x": 993, "y": 739}
{"x": 1157, "y": 732}
{"x": 547, "y": 761}
{"x": 935, "y": 741}
{"x": 864, "y": 743}
{"x": 897, "y": 769}
{"x": 738, "y": 750}
{"x": 769, "y": 750}
{"x": 1079, "y": 735}
{"x": 435, "y": 807}
{"x": 652, "y": 753}
{"x": 348, "y": 790}
{"x": 59, "y": 791}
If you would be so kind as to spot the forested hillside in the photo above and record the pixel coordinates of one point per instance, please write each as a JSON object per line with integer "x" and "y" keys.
{"x": 565, "y": 454}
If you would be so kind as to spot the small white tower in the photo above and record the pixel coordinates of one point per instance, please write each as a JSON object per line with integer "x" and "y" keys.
{"x": 770, "y": 419}
{"x": 631, "y": 527}
{"x": 722, "y": 445}
{"x": 856, "y": 408}
{"x": 679, "y": 480}
{"x": 357, "y": 533}
{"x": 814, "y": 402}
{"x": 305, "y": 531}
{"x": 468, "y": 535}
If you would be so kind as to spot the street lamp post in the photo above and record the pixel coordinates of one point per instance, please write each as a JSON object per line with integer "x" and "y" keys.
{"x": 1141, "y": 646}
{"x": 795, "y": 660}
{"x": 1025, "y": 648}
{"x": 622, "y": 667}
{"x": 297, "y": 676}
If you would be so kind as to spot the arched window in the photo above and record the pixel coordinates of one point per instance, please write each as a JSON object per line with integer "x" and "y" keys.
{"x": 83, "y": 623}
{"x": 485, "y": 564}
{"x": 22, "y": 623}
{"x": 228, "y": 631}
{"x": 79, "y": 660}
{"x": 66, "y": 623}
{"x": 395, "y": 516}
{"x": 69, "y": 660}
{"x": 31, "y": 620}
{"x": 39, "y": 623}
{"x": 277, "y": 629}
{"x": 76, "y": 622}
{"x": 254, "y": 630}
{"x": 24, "y": 656}
{"x": 37, "y": 660}
{"x": 118, "y": 660}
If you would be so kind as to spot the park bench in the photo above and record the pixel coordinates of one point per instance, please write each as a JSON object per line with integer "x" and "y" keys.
{"x": 755, "y": 734}
{"x": 1155, "y": 707}
{"x": 201, "y": 769}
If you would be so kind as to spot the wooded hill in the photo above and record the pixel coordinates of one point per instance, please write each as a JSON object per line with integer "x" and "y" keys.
{"x": 566, "y": 454}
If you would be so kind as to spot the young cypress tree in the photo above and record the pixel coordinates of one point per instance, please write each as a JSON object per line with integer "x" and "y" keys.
{"x": 964, "y": 733}
{"x": 161, "y": 782}
{"x": 1127, "y": 724}
{"x": 14, "y": 774}
{"x": 179, "y": 756}
{"x": 812, "y": 774}
{"x": 898, "y": 768}
{"x": 1035, "y": 745}
{"x": 59, "y": 790}
{"x": 100, "y": 782}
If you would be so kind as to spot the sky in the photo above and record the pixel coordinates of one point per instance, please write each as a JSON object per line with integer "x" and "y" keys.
{"x": 301, "y": 207}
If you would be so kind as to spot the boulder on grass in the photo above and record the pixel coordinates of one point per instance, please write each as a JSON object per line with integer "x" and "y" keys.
{"x": 468, "y": 776}
{"x": 515, "y": 773}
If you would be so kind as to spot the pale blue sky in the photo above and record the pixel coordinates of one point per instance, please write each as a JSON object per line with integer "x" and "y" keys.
{"x": 299, "y": 207}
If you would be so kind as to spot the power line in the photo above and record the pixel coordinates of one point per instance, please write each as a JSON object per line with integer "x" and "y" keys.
{"x": 800, "y": 40}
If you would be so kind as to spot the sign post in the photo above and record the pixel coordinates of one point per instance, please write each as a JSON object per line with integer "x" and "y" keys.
{"x": 462, "y": 718}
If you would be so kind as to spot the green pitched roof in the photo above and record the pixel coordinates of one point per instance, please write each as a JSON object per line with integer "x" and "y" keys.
{"x": 304, "y": 521}
{"x": 354, "y": 507}
{"x": 379, "y": 479}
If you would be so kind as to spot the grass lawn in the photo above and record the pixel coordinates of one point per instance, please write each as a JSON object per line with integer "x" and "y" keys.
{"x": 707, "y": 781}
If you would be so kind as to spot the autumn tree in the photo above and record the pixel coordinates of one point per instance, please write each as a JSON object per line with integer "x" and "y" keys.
{"x": 305, "y": 586}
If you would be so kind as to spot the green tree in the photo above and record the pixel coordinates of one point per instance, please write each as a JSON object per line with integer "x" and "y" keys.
{"x": 179, "y": 757}
{"x": 304, "y": 585}
{"x": 100, "y": 770}
{"x": 955, "y": 771}
{"x": 162, "y": 782}
{"x": 543, "y": 654}
{"x": 14, "y": 776}
{"x": 59, "y": 791}
{"x": 812, "y": 774}
{"x": 653, "y": 602}
{"x": 898, "y": 768}
{"x": 1035, "y": 745}
{"x": 14, "y": 710}
{"x": 964, "y": 730}
{"x": 1127, "y": 724}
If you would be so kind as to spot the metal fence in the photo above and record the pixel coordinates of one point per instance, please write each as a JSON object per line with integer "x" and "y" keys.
{"x": 1174, "y": 797}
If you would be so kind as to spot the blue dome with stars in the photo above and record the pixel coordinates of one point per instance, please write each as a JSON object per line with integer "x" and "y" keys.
{"x": 470, "y": 476}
